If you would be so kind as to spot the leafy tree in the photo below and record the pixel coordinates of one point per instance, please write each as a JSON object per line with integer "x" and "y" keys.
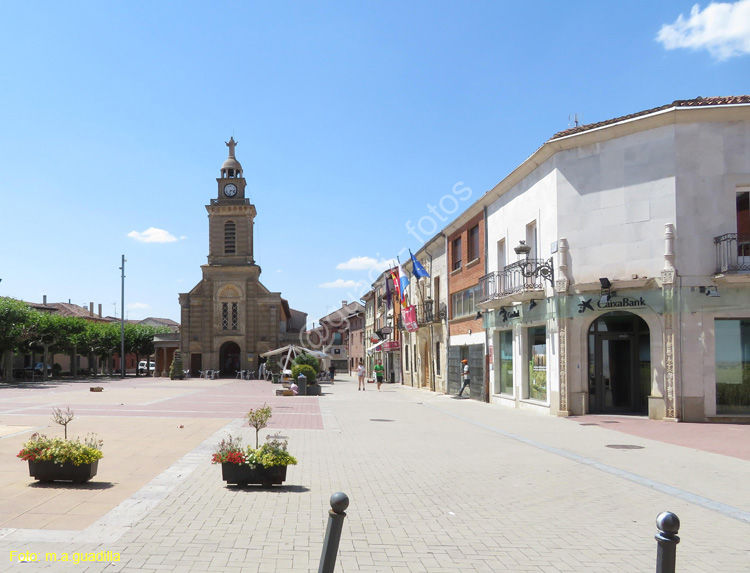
{"x": 45, "y": 334}
{"x": 15, "y": 323}
{"x": 72, "y": 338}
{"x": 308, "y": 359}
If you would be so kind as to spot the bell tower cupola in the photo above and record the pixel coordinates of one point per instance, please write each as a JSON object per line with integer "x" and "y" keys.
{"x": 231, "y": 183}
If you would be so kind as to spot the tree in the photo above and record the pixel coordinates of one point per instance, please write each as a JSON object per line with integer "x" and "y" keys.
{"x": 308, "y": 359}
{"x": 15, "y": 322}
{"x": 72, "y": 338}
{"x": 45, "y": 334}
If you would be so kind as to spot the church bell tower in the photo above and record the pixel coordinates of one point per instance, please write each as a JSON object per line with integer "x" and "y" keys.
{"x": 229, "y": 318}
{"x": 230, "y": 217}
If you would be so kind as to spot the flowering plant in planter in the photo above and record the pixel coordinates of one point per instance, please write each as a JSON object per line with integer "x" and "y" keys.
{"x": 272, "y": 453}
{"x": 40, "y": 448}
{"x": 229, "y": 451}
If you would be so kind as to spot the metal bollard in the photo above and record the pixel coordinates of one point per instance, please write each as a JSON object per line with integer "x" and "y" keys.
{"x": 667, "y": 539}
{"x": 339, "y": 503}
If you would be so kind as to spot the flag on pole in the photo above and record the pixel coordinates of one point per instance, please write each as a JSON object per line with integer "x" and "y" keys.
{"x": 387, "y": 295}
{"x": 416, "y": 267}
{"x": 403, "y": 284}
{"x": 396, "y": 285}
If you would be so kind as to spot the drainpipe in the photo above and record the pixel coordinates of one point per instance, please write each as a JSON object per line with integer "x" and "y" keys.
{"x": 487, "y": 356}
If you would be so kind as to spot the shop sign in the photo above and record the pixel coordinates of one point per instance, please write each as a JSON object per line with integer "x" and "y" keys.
{"x": 506, "y": 315}
{"x": 624, "y": 302}
{"x": 391, "y": 345}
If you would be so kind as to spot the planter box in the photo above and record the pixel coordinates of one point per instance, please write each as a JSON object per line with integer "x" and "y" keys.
{"x": 241, "y": 474}
{"x": 313, "y": 390}
{"x": 50, "y": 471}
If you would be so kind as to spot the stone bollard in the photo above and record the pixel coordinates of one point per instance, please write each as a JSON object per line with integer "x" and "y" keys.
{"x": 667, "y": 539}
{"x": 302, "y": 385}
{"x": 339, "y": 503}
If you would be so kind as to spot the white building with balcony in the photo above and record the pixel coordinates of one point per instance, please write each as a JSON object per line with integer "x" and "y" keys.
{"x": 630, "y": 293}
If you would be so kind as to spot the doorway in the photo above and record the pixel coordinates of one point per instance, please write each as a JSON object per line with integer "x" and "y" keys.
{"x": 229, "y": 357}
{"x": 619, "y": 364}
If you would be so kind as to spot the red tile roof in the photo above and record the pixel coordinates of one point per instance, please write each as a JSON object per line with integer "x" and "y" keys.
{"x": 699, "y": 101}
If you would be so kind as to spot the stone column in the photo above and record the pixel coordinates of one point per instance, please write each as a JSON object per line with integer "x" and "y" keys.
{"x": 561, "y": 292}
{"x": 668, "y": 278}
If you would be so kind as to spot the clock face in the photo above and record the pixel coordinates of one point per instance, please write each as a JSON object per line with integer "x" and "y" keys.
{"x": 230, "y": 190}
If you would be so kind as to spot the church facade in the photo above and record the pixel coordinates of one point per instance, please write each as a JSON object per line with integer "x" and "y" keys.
{"x": 229, "y": 317}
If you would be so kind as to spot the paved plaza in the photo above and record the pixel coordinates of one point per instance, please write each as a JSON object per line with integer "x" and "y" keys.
{"x": 436, "y": 484}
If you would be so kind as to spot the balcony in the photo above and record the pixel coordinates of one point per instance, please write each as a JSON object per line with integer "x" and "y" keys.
{"x": 429, "y": 311}
{"x": 732, "y": 253}
{"x": 515, "y": 281}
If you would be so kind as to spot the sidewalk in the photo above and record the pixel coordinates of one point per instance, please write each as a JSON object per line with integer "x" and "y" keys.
{"x": 436, "y": 484}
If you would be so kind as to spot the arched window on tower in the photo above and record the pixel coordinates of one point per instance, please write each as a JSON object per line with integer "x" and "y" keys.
{"x": 230, "y": 238}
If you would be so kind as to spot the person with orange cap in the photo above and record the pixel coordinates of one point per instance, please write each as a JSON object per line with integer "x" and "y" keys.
{"x": 466, "y": 377}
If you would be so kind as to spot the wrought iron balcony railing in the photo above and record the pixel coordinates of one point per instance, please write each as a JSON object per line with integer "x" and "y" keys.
{"x": 522, "y": 276}
{"x": 732, "y": 253}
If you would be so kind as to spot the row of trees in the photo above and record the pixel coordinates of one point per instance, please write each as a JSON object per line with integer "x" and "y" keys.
{"x": 25, "y": 330}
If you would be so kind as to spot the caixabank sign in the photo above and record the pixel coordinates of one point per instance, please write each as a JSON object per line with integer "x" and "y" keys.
{"x": 611, "y": 303}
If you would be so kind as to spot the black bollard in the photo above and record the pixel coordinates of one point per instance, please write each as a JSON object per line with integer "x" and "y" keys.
{"x": 339, "y": 503}
{"x": 667, "y": 539}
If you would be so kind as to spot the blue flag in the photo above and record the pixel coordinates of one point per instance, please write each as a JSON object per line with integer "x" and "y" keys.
{"x": 416, "y": 268}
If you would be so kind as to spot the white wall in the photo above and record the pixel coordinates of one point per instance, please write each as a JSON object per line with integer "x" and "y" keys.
{"x": 614, "y": 199}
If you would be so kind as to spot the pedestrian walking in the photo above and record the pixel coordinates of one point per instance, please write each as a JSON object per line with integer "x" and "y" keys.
{"x": 332, "y": 372}
{"x": 379, "y": 373}
{"x": 361, "y": 375}
{"x": 466, "y": 377}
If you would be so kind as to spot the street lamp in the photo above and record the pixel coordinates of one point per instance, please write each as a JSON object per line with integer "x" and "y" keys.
{"x": 534, "y": 267}
{"x": 122, "y": 321}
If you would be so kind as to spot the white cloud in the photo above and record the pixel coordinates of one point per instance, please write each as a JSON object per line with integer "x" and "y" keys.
{"x": 363, "y": 264}
{"x": 721, "y": 28}
{"x": 153, "y": 235}
{"x": 137, "y": 306}
{"x": 341, "y": 283}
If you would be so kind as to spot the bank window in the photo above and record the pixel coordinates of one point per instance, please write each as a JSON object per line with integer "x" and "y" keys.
{"x": 732, "y": 366}
{"x": 504, "y": 363}
{"x": 464, "y": 303}
{"x": 536, "y": 357}
{"x": 474, "y": 243}
{"x": 457, "y": 254}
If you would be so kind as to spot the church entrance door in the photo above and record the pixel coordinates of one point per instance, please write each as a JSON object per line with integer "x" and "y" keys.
{"x": 229, "y": 357}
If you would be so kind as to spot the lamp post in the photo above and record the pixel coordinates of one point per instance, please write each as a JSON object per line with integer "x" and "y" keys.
{"x": 122, "y": 321}
{"x": 535, "y": 267}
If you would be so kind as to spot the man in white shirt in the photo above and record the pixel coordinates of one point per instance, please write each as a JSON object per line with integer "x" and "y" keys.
{"x": 466, "y": 377}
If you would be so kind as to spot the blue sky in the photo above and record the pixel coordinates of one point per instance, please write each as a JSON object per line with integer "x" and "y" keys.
{"x": 351, "y": 119}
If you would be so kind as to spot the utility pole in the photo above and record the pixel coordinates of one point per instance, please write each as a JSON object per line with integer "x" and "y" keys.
{"x": 122, "y": 321}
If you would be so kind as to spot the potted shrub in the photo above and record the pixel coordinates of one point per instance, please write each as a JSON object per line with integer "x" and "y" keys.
{"x": 312, "y": 389}
{"x": 62, "y": 459}
{"x": 265, "y": 465}
{"x": 308, "y": 365}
